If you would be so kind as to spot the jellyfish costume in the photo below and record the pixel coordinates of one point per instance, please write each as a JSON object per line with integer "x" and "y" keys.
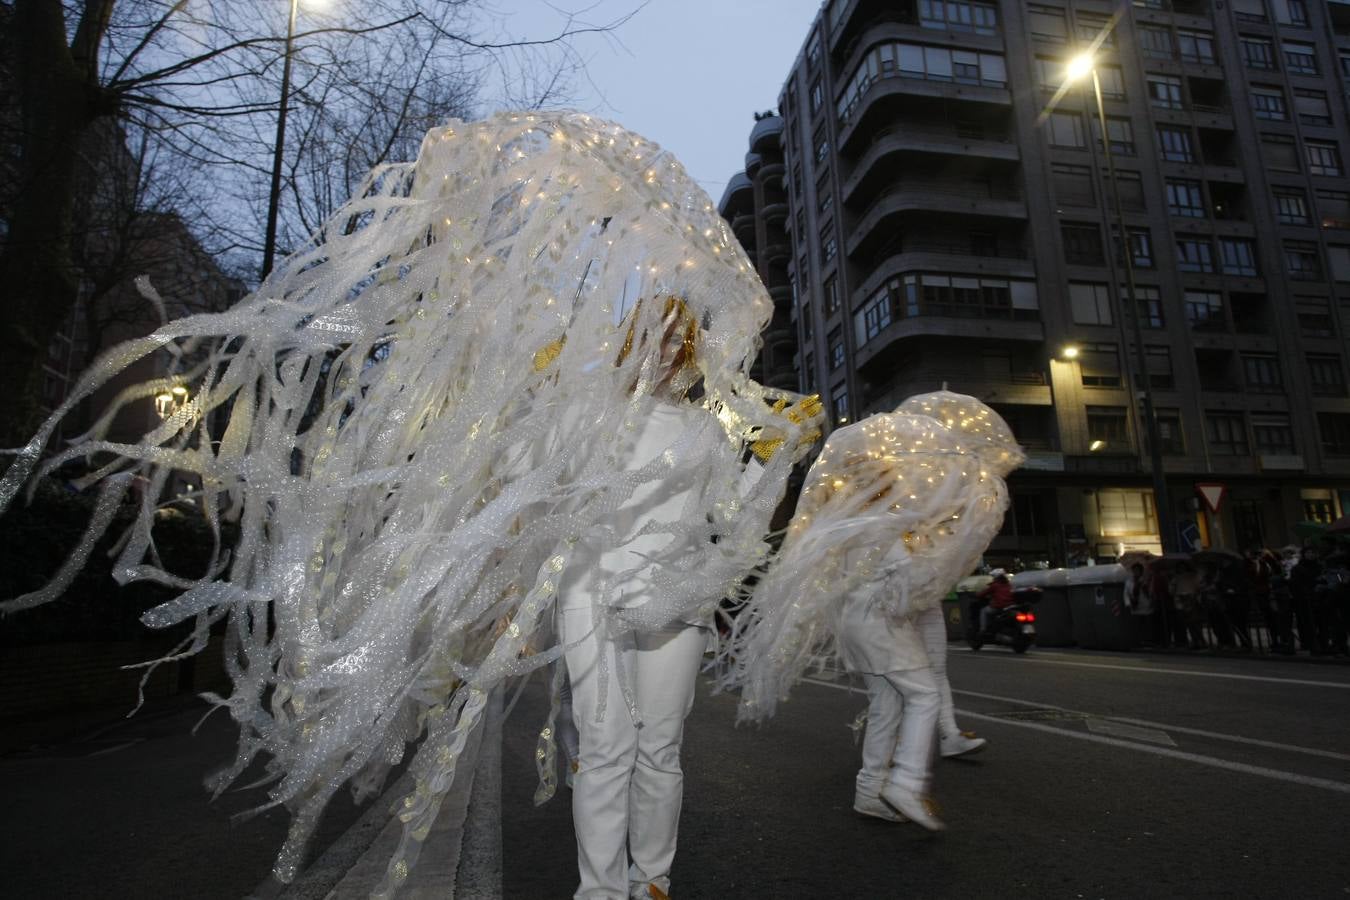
{"x": 895, "y": 510}
{"x": 422, "y": 429}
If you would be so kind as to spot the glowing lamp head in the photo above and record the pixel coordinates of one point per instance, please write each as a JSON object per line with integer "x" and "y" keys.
{"x": 1070, "y": 352}
{"x": 1079, "y": 67}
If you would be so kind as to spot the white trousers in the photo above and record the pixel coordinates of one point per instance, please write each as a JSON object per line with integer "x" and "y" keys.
{"x": 902, "y": 720}
{"x": 934, "y": 632}
{"x": 629, "y": 786}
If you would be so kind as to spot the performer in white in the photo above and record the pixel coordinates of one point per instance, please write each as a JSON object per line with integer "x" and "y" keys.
{"x": 895, "y": 509}
{"x": 457, "y": 404}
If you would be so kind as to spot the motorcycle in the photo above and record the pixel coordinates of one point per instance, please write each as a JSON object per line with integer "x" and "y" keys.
{"x": 1014, "y": 625}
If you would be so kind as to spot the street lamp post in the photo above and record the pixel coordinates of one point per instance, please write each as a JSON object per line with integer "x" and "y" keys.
{"x": 1162, "y": 507}
{"x": 274, "y": 198}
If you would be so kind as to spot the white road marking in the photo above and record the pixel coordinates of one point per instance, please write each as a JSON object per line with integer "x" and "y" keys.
{"x": 1022, "y": 660}
{"x": 1325, "y": 784}
{"x": 1218, "y": 736}
{"x": 1132, "y": 732}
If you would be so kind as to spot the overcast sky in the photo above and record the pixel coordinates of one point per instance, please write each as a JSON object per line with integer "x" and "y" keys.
{"x": 688, "y": 74}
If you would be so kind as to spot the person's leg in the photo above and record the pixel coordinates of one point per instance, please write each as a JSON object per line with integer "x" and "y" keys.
{"x": 986, "y": 612}
{"x": 909, "y": 779}
{"x": 607, "y": 753}
{"x": 884, "y": 712}
{"x": 953, "y": 741}
{"x": 665, "y": 671}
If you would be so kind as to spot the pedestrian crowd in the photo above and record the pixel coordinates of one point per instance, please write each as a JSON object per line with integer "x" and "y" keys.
{"x": 1297, "y": 600}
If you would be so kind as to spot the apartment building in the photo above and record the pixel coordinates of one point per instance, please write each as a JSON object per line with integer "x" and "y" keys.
{"x": 949, "y": 219}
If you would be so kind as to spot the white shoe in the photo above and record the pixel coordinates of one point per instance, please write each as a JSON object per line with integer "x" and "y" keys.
{"x": 874, "y": 806}
{"x": 960, "y": 744}
{"x": 917, "y": 808}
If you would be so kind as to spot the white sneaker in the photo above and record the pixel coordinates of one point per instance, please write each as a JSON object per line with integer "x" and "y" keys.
{"x": 917, "y": 808}
{"x": 874, "y": 806}
{"x": 960, "y": 744}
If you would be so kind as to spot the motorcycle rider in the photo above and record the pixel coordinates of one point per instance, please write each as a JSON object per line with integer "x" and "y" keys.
{"x": 999, "y": 595}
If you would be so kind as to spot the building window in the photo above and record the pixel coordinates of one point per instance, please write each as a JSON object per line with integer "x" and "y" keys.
{"x": 1339, "y": 257}
{"x": 1108, "y": 428}
{"x": 958, "y": 15}
{"x": 1279, "y": 153}
{"x": 1238, "y": 255}
{"x": 1324, "y": 158}
{"x": 1271, "y": 434}
{"x": 1318, "y": 506}
{"x": 839, "y": 402}
{"x": 1204, "y": 311}
{"x": 1291, "y": 206}
{"x": 817, "y": 96}
{"x": 1047, "y": 24}
{"x": 1121, "y": 133}
{"x": 830, "y": 296}
{"x": 1335, "y": 429}
{"x": 828, "y": 246}
{"x": 1112, "y": 82}
{"x": 809, "y": 374}
{"x": 1175, "y": 144}
{"x": 1312, "y": 107}
{"x": 1299, "y": 59}
{"x": 1141, "y": 247}
{"x": 1261, "y": 373}
{"x": 1333, "y": 208}
{"x": 1147, "y": 304}
{"x": 1159, "y": 361}
{"x": 813, "y": 52}
{"x": 1155, "y": 41}
{"x": 801, "y": 226}
{"x": 836, "y": 346}
{"x": 1291, "y": 12}
{"x": 1195, "y": 255}
{"x": 1226, "y": 432}
{"x": 1326, "y": 375}
{"x": 1195, "y": 46}
{"x": 1314, "y": 317}
{"x": 822, "y": 148}
{"x": 1170, "y": 437}
{"x": 1090, "y": 303}
{"x": 1185, "y": 198}
{"x": 1268, "y": 103}
{"x": 1302, "y": 261}
{"x": 1065, "y": 129}
{"x": 1123, "y": 513}
{"x": 1258, "y": 53}
{"x": 874, "y": 317}
{"x": 1072, "y": 184}
{"x": 1130, "y": 184}
{"x": 1099, "y": 365}
{"x": 1082, "y": 244}
{"x": 1164, "y": 91}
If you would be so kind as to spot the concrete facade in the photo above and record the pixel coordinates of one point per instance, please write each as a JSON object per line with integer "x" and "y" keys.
{"x": 950, "y": 221}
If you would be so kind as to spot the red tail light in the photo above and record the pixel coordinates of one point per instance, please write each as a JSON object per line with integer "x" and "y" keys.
{"x": 1025, "y": 617}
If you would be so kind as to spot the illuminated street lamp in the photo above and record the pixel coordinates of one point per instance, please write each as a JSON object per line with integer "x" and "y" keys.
{"x": 1078, "y": 68}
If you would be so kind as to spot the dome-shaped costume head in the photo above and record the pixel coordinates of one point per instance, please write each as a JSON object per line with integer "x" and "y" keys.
{"x": 981, "y": 430}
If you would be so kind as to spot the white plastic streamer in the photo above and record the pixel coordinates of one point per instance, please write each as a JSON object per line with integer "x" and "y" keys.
{"x": 412, "y": 423}
{"x": 898, "y": 506}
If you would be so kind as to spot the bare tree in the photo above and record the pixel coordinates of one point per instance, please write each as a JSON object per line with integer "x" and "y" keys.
{"x": 196, "y": 85}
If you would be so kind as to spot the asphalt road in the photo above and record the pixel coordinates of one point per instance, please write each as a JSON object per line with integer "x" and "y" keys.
{"x": 1108, "y": 775}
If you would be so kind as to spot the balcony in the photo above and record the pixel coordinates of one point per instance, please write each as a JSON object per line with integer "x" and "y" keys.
{"x": 778, "y": 253}
{"x": 752, "y": 163}
{"x": 743, "y": 226}
{"x": 775, "y": 212}
{"x": 771, "y": 174}
{"x": 929, "y": 137}
{"x": 984, "y": 202}
{"x": 766, "y": 136}
{"x": 739, "y": 190}
{"x": 890, "y": 89}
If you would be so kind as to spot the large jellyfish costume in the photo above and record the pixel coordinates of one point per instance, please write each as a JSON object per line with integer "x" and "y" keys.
{"x": 413, "y": 421}
{"x": 898, "y": 506}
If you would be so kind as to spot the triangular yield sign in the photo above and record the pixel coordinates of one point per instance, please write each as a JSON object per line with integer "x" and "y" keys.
{"x": 1213, "y": 495}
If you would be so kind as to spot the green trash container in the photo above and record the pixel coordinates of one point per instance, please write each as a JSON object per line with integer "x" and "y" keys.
{"x": 1101, "y": 620}
{"x": 1054, "y": 621}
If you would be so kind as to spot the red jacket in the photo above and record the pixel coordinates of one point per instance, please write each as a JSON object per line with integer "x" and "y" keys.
{"x": 999, "y": 593}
